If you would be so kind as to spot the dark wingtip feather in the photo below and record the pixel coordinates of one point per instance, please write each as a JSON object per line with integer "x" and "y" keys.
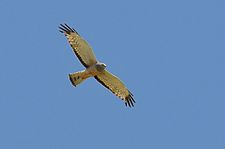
{"x": 64, "y": 28}
{"x": 130, "y": 100}
{"x": 130, "y": 93}
{"x": 131, "y": 97}
{"x": 69, "y": 28}
{"x": 74, "y": 30}
{"x": 61, "y": 31}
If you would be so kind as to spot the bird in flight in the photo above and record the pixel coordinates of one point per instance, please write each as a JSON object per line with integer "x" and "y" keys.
{"x": 93, "y": 67}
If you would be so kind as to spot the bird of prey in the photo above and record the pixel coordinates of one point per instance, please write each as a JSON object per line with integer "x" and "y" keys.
{"x": 93, "y": 67}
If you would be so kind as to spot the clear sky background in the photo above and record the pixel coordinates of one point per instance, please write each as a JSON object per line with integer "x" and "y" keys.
{"x": 170, "y": 54}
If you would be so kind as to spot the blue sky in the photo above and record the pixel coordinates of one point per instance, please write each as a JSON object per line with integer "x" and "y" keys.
{"x": 170, "y": 54}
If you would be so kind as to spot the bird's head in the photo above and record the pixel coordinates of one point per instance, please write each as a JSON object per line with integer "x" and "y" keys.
{"x": 100, "y": 66}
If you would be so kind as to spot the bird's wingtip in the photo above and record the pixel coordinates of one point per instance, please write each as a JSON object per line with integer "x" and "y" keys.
{"x": 64, "y": 28}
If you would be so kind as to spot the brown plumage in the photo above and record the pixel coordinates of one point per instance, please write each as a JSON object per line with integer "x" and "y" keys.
{"x": 94, "y": 68}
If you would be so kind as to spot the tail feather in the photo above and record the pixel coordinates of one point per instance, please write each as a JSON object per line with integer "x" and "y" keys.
{"x": 76, "y": 78}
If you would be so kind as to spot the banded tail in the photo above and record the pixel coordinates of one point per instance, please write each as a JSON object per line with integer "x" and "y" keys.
{"x": 77, "y": 78}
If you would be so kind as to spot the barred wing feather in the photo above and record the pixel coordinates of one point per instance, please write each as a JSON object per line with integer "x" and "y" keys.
{"x": 80, "y": 47}
{"x": 116, "y": 86}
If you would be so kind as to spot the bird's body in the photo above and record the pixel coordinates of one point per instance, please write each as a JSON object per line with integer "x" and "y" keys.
{"x": 92, "y": 71}
{"x": 94, "y": 68}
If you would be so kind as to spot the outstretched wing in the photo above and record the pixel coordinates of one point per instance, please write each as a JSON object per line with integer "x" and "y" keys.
{"x": 80, "y": 47}
{"x": 116, "y": 87}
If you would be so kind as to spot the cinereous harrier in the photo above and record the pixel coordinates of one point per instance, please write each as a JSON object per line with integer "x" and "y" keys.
{"x": 93, "y": 68}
